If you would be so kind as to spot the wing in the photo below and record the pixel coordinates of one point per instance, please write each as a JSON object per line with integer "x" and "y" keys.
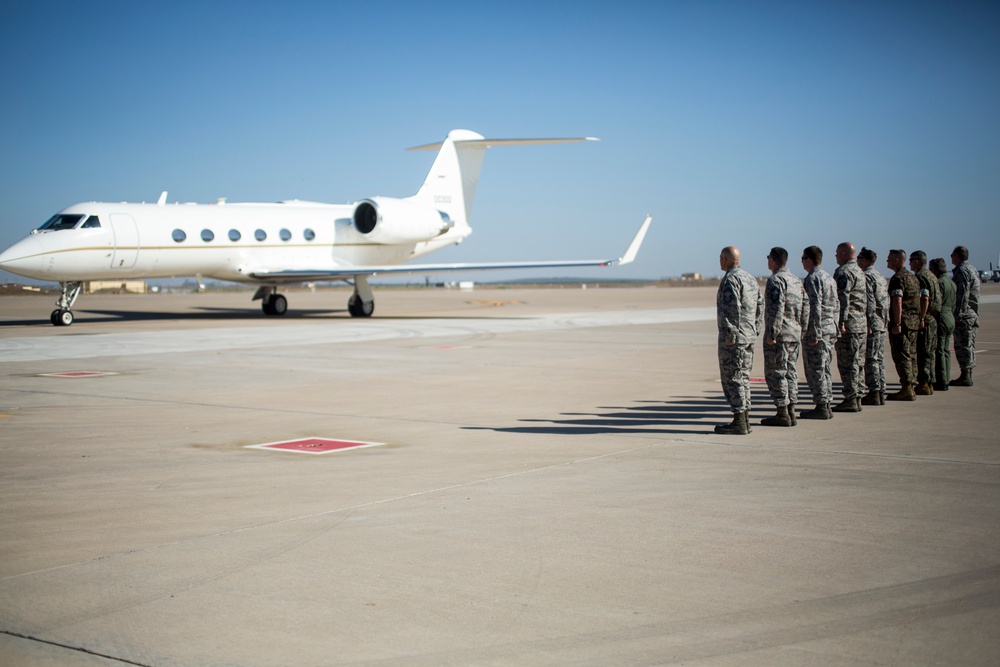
{"x": 351, "y": 271}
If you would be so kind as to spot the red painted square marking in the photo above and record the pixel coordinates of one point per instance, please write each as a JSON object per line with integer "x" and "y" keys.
{"x": 758, "y": 379}
{"x": 76, "y": 374}
{"x": 315, "y": 445}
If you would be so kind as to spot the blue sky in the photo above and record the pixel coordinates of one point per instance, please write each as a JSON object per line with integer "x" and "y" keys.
{"x": 747, "y": 123}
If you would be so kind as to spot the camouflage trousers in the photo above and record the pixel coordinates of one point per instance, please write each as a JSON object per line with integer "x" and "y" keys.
{"x": 904, "y": 356}
{"x": 875, "y": 361}
{"x": 851, "y": 363}
{"x": 734, "y": 369}
{"x": 942, "y": 355}
{"x": 779, "y": 370}
{"x": 926, "y": 351}
{"x": 965, "y": 341}
{"x": 817, "y": 359}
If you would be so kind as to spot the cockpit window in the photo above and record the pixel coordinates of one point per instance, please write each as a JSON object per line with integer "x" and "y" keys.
{"x": 93, "y": 222}
{"x": 59, "y": 222}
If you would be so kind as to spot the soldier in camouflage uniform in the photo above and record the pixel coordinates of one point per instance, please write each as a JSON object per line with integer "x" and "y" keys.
{"x": 819, "y": 333}
{"x": 740, "y": 309}
{"x": 784, "y": 316}
{"x": 945, "y": 324}
{"x": 930, "y": 309}
{"x": 852, "y": 295}
{"x": 904, "y": 322}
{"x": 966, "y": 279}
{"x": 877, "y": 313}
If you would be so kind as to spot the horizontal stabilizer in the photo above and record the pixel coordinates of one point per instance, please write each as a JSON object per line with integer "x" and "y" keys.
{"x": 489, "y": 143}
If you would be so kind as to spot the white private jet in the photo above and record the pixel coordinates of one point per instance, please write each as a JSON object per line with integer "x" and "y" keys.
{"x": 273, "y": 244}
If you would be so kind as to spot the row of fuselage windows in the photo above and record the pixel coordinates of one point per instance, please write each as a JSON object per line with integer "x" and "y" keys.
{"x": 207, "y": 235}
{"x": 72, "y": 221}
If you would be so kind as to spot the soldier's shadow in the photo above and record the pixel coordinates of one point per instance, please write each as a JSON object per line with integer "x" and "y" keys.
{"x": 678, "y": 415}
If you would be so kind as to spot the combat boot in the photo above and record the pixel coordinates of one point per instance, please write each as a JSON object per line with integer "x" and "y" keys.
{"x": 923, "y": 389}
{"x": 872, "y": 398}
{"x": 780, "y": 419}
{"x": 848, "y": 405}
{"x": 746, "y": 420}
{"x": 821, "y": 411}
{"x": 791, "y": 414}
{"x": 940, "y": 385}
{"x": 964, "y": 380}
{"x": 738, "y": 426}
{"x": 905, "y": 393}
{"x": 881, "y": 398}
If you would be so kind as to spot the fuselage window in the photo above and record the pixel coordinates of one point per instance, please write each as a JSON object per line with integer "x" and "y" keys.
{"x": 207, "y": 235}
{"x": 59, "y": 222}
{"x": 178, "y": 235}
{"x": 309, "y": 234}
{"x": 234, "y": 235}
{"x": 285, "y": 235}
{"x": 92, "y": 222}
{"x": 260, "y": 235}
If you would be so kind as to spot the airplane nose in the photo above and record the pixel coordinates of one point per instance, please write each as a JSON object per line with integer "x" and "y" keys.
{"x": 23, "y": 258}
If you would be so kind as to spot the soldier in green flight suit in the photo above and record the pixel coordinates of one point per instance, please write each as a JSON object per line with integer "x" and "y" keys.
{"x": 945, "y": 323}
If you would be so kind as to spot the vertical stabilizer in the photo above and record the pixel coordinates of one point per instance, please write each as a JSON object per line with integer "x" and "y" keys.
{"x": 451, "y": 183}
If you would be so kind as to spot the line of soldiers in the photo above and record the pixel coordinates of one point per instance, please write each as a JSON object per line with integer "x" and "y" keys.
{"x": 849, "y": 313}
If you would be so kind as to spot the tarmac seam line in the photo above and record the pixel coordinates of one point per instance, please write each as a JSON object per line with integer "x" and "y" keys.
{"x": 78, "y": 649}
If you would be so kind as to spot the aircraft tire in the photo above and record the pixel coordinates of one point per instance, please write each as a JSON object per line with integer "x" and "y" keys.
{"x": 279, "y": 304}
{"x": 274, "y": 304}
{"x": 61, "y": 317}
{"x": 358, "y": 308}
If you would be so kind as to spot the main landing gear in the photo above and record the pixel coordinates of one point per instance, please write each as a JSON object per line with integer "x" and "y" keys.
{"x": 62, "y": 316}
{"x": 271, "y": 302}
{"x": 362, "y": 302}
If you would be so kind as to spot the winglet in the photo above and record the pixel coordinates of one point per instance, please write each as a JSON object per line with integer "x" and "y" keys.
{"x": 163, "y": 199}
{"x": 633, "y": 247}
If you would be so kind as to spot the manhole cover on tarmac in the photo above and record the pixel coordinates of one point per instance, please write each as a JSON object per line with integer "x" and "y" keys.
{"x": 315, "y": 445}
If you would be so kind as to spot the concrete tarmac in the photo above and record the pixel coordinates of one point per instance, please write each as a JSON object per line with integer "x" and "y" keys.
{"x": 549, "y": 491}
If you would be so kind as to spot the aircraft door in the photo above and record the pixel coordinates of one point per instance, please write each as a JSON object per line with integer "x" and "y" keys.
{"x": 126, "y": 241}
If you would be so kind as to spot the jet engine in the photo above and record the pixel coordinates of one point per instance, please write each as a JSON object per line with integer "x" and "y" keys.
{"x": 389, "y": 221}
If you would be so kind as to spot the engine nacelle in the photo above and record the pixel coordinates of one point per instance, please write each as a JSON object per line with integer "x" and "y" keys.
{"x": 389, "y": 221}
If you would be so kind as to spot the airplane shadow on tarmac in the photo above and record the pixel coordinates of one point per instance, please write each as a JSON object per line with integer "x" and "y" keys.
{"x": 224, "y": 314}
{"x": 680, "y": 414}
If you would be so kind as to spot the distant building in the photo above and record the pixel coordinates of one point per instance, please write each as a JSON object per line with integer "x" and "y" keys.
{"x": 116, "y": 286}
{"x": 690, "y": 276}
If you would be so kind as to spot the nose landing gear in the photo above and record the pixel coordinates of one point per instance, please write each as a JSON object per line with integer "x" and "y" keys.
{"x": 62, "y": 316}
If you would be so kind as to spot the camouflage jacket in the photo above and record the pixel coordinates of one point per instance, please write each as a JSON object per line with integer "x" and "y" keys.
{"x": 821, "y": 292}
{"x": 740, "y": 308}
{"x": 929, "y": 284}
{"x": 853, "y": 296}
{"x": 878, "y": 300}
{"x": 785, "y": 308}
{"x": 905, "y": 286}
{"x": 966, "y": 291}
